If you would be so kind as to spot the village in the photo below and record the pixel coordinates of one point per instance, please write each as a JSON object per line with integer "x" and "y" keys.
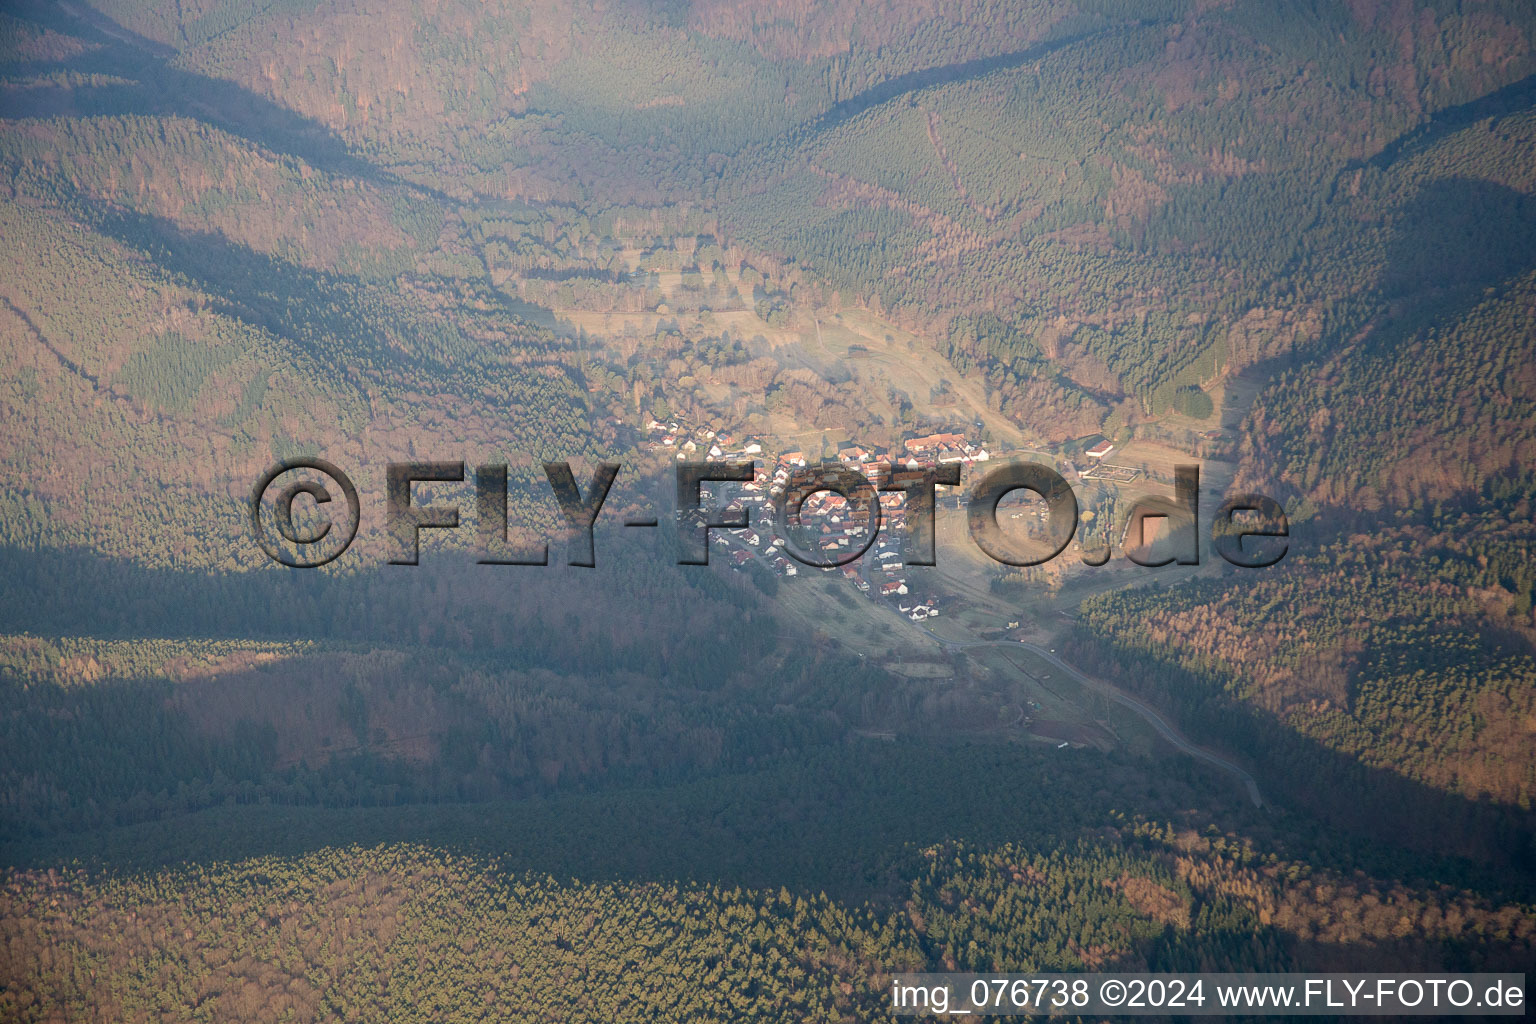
{"x": 880, "y": 572}
{"x": 1005, "y": 619}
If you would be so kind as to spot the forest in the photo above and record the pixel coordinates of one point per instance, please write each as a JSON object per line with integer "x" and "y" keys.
{"x": 1295, "y": 233}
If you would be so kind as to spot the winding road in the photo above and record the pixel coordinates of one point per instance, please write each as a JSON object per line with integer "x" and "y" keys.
{"x": 1163, "y": 727}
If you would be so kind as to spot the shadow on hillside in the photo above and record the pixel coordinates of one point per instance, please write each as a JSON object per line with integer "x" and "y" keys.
{"x": 1516, "y": 96}
{"x": 847, "y": 820}
{"x": 644, "y": 629}
{"x": 838, "y": 817}
{"x": 162, "y": 89}
{"x": 1378, "y": 819}
{"x": 287, "y": 300}
{"x": 1453, "y": 239}
{"x": 346, "y": 323}
{"x": 1453, "y": 236}
{"x": 912, "y": 81}
{"x": 635, "y": 612}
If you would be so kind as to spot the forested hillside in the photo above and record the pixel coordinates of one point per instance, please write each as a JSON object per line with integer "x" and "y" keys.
{"x": 1407, "y": 649}
{"x": 1400, "y": 645}
{"x": 1151, "y": 197}
{"x": 393, "y": 929}
{"x": 1294, "y": 234}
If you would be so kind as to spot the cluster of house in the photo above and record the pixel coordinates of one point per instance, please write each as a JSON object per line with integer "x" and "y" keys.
{"x": 943, "y": 449}
{"x": 879, "y": 571}
{"x": 757, "y": 539}
{"x": 698, "y": 442}
{"x": 701, "y": 442}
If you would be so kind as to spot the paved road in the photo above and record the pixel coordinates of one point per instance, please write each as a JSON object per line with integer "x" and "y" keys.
{"x": 1153, "y": 717}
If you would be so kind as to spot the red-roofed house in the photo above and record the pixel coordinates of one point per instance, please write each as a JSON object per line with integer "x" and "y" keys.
{"x": 932, "y": 441}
